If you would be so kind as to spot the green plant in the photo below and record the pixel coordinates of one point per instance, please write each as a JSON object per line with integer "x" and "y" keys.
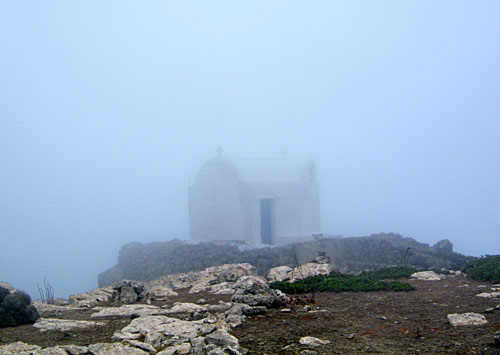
{"x": 485, "y": 268}
{"x": 336, "y": 282}
{"x": 396, "y": 272}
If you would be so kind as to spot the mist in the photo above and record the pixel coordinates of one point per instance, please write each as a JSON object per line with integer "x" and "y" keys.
{"x": 107, "y": 111}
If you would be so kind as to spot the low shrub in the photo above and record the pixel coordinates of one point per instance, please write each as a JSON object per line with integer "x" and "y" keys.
{"x": 485, "y": 268}
{"x": 396, "y": 272}
{"x": 336, "y": 282}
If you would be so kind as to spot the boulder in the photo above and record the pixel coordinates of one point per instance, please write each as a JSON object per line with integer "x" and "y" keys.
{"x": 188, "y": 311}
{"x": 254, "y": 291}
{"x": 285, "y": 273}
{"x": 460, "y": 319}
{"x": 312, "y": 341}
{"x": 427, "y": 276}
{"x": 91, "y": 298}
{"x": 17, "y": 348}
{"x": 128, "y": 310}
{"x": 44, "y": 324}
{"x": 51, "y": 310}
{"x": 114, "y": 348}
{"x": 127, "y": 291}
{"x": 488, "y": 294}
{"x": 16, "y": 309}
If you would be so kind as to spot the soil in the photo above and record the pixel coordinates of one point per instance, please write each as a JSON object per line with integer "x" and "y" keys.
{"x": 354, "y": 323}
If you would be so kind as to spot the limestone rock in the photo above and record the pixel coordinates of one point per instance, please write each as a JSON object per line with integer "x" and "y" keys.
{"x": 254, "y": 291}
{"x": 427, "y": 276}
{"x": 45, "y": 310}
{"x": 45, "y": 324}
{"x": 457, "y": 319}
{"x": 312, "y": 341}
{"x": 222, "y": 338}
{"x": 161, "y": 293}
{"x": 127, "y": 291}
{"x": 74, "y": 349}
{"x": 17, "y": 348}
{"x": 91, "y": 298}
{"x": 114, "y": 348}
{"x": 283, "y": 273}
{"x": 159, "y": 331}
{"x": 50, "y": 351}
{"x": 189, "y": 311}
{"x": 280, "y": 273}
{"x": 184, "y": 348}
{"x": 8, "y": 286}
{"x": 128, "y": 310}
{"x": 489, "y": 294}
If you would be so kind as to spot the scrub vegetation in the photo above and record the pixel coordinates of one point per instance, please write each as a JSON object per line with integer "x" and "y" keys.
{"x": 485, "y": 268}
{"x": 336, "y": 282}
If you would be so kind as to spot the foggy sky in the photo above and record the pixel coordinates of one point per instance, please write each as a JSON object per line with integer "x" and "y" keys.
{"x": 107, "y": 110}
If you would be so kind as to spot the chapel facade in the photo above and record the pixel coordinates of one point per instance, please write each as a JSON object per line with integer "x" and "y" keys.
{"x": 256, "y": 201}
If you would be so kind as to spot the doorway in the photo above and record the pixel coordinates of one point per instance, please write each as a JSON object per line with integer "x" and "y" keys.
{"x": 267, "y": 220}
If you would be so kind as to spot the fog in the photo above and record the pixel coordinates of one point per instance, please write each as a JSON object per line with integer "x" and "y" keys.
{"x": 108, "y": 109}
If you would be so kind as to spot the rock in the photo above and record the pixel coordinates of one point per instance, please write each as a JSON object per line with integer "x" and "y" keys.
{"x": 140, "y": 345}
{"x": 280, "y": 273}
{"x": 161, "y": 293}
{"x": 184, "y": 348}
{"x": 497, "y": 338}
{"x": 91, "y": 298}
{"x": 44, "y": 324}
{"x": 254, "y": 291}
{"x": 8, "y": 286}
{"x": 202, "y": 301}
{"x": 285, "y": 273}
{"x": 159, "y": 331}
{"x": 312, "y": 341}
{"x": 74, "y": 349}
{"x": 427, "y": 276}
{"x": 189, "y": 311}
{"x": 215, "y": 279}
{"x": 457, "y": 319}
{"x": 198, "y": 346}
{"x": 128, "y": 310}
{"x": 57, "y": 350}
{"x": 16, "y": 309}
{"x": 222, "y": 338}
{"x": 286, "y": 310}
{"x": 114, "y": 348}
{"x": 127, "y": 291}
{"x": 489, "y": 294}
{"x": 51, "y": 310}
{"x": 17, "y": 348}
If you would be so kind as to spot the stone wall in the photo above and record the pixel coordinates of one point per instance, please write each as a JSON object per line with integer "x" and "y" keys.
{"x": 137, "y": 261}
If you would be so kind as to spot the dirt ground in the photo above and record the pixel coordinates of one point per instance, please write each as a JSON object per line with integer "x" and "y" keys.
{"x": 354, "y": 323}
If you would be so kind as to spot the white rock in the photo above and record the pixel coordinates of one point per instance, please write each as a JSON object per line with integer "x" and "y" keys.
{"x": 45, "y": 309}
{"x": 159, "y": 330}
{"x": 7, "y": 285}
{"x": 222, "y": 338}
{"x": 186, "y": 307}
{"x": 127, "y": 310}
{"x": 279, "y": 273}
{"x": 92, "y": 298}
{"x": 489, "y": 294}
{"x": 50, "y": 351}
{"x": 114, "y": 348}
{"x": 45, "y": 324}
{"x": 427, "y": 276}
{"x": 17, "y": 348}
{"x": 458, "y": 319}
{"x": 161, "y": 292}
{"x": 184, "y": 348}
{"x": 312, "y": 341}
{"x": 74, "y": 349}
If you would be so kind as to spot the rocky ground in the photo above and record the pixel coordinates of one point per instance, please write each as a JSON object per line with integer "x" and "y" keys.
{"x": 229, "y": 310}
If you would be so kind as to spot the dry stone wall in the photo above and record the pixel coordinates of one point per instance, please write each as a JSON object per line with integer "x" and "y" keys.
{"x": 146, "y": 262}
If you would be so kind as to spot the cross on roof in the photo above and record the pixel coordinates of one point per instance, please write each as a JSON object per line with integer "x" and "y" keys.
{"x": 219, "y": 150}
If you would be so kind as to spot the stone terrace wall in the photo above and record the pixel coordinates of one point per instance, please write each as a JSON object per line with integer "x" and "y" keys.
{"x": 145, "y": 262}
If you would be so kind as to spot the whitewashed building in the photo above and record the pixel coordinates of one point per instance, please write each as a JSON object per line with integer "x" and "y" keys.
{"x": 255, "y": 201}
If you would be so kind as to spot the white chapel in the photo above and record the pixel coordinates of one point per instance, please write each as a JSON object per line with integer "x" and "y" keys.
{"x": 256, "y": 201}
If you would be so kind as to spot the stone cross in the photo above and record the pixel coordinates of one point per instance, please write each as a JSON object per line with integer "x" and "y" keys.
{"x": 219, "y": 150}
